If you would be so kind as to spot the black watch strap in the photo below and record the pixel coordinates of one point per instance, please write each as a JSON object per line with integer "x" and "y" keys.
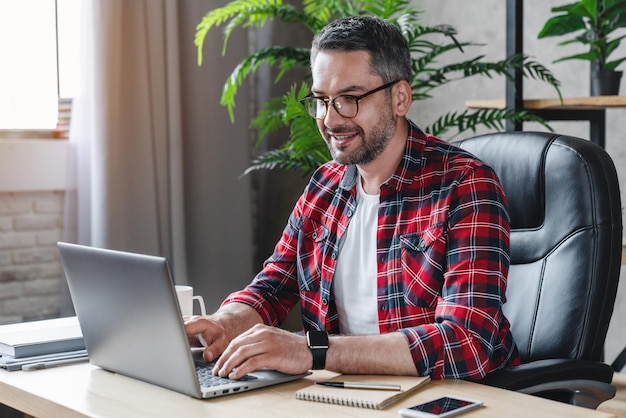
{"x": 318, "y": 344}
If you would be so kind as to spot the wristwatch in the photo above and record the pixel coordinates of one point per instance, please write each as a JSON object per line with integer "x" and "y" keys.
{"x": 318, "y": 344}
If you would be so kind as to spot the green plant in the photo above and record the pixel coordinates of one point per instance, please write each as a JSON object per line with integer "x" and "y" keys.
{"x": 305, "y": 149}
{"x": 592, "y": 23}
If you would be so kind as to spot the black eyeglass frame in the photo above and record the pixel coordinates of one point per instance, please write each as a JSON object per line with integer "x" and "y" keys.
{"x": 356, "y": 99}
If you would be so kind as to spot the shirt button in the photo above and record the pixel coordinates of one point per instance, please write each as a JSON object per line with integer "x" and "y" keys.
{"x": 314, "y": 235}
{"x": 334, "y": 255}
{"x": 324, "y": 301}
{"x": 350, "y": 213}
{"x": 383, "y": 307}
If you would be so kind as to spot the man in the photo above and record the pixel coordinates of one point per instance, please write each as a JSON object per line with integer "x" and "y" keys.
{"x": 397, "y": 250}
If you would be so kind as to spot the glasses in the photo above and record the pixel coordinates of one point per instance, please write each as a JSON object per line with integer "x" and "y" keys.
{"x": 345, "y": 104}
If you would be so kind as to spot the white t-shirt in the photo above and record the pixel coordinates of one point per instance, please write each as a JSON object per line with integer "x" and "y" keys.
{"x": 354, "y": 283}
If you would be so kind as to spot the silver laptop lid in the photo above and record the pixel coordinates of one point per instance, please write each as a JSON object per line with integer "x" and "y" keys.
{"x": 129, "y": 315}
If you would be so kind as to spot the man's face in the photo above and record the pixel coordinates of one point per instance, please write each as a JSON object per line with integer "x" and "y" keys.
{"x": 361, "y": 139}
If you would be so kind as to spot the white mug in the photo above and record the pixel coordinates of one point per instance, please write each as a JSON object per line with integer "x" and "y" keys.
{"x": 185, "y": 300}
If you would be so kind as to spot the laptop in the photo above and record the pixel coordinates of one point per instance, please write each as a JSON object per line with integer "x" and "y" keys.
{"x": 131, "y": 322}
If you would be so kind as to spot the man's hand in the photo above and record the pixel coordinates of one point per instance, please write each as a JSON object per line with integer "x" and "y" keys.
{"x": 203, "y": 331}
{"x": 264, "y": 346}
{"x": 216, "y": 331}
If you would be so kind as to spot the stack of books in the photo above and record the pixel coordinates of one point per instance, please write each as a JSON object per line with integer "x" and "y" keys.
{"x": 65, "y": 114}
{"x": 40, "y": 344}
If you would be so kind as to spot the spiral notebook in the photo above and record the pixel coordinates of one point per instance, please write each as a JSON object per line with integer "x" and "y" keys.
{"x": 363, "y": 398}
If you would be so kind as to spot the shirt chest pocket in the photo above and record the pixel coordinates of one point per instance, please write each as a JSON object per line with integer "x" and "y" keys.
{"x": 312, "y": 243}
{"x": 423, "y": 260}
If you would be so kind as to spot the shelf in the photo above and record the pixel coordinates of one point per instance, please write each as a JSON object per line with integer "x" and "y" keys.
{"x": 591, "y": 109}
{"x": 570, "y": 103}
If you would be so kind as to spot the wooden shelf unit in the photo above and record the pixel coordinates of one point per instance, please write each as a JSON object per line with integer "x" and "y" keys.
{"x": 592, "y": 109}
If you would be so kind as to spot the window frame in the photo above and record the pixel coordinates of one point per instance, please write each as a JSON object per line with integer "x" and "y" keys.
{"x": 64, "y": 107}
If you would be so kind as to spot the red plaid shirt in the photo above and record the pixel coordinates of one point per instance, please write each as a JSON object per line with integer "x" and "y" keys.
{"x": 442, "y": 258}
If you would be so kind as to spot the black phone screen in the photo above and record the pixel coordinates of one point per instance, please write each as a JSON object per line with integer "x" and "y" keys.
{"x": 441, "y": 405}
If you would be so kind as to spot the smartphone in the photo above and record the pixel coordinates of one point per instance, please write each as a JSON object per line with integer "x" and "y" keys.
{"x": 446, "y": 406}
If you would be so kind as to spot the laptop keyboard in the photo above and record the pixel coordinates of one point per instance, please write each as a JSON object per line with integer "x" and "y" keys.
{"x": 207, "y": 379}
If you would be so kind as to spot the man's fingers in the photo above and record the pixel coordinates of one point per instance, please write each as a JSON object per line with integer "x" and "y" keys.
{"x": 208, "y": 334}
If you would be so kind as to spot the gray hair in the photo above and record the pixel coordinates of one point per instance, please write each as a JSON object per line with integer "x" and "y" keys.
{"x": 389, "y": 52}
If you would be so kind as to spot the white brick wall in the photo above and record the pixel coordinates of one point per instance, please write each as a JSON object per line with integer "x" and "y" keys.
{"x": 30, "y": 271}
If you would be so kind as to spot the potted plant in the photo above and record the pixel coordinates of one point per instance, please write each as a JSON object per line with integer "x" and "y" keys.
{"x": 592, "y": 23}
{"x": 306, "y": 149}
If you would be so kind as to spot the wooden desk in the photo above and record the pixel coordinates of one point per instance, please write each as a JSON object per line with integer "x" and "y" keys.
{"x": 82, "y": 390}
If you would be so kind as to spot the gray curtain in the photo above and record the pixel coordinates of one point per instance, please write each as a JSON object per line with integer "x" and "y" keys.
{"x": 155, "y": 164}
{"x": 126, "y": 176}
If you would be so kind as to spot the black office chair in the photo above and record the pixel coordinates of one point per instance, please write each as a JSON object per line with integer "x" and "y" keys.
{"x": 566, "y": 240}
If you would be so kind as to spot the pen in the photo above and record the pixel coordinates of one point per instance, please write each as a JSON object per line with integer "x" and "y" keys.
{"x": 361, "y": 385}
{"x": 52, "y": 363}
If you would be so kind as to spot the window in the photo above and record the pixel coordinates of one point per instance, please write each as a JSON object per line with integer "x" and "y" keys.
{"x": 39, "y": 43}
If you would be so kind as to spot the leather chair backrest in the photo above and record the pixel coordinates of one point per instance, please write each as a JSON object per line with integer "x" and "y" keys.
{"x": 566, "y": 239}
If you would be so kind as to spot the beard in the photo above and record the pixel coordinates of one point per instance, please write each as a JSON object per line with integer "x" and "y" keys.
{"x": 372, "y": 145}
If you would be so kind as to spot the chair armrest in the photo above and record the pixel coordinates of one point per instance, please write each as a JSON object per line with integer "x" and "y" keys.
{"x": 578, "y": 382}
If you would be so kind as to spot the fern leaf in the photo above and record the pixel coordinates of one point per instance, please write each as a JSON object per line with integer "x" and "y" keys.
{"x": 493, "y": 119}
{"x": 284, "y": 160}
{"x": 388, "y": 8}
{"x": 250, "y": 13}
{"x": 287, "y": 56}
{"x": 269, "y": 119}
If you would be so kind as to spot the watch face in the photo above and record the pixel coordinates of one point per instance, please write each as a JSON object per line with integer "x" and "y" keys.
{"x": 317, "y": 339}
